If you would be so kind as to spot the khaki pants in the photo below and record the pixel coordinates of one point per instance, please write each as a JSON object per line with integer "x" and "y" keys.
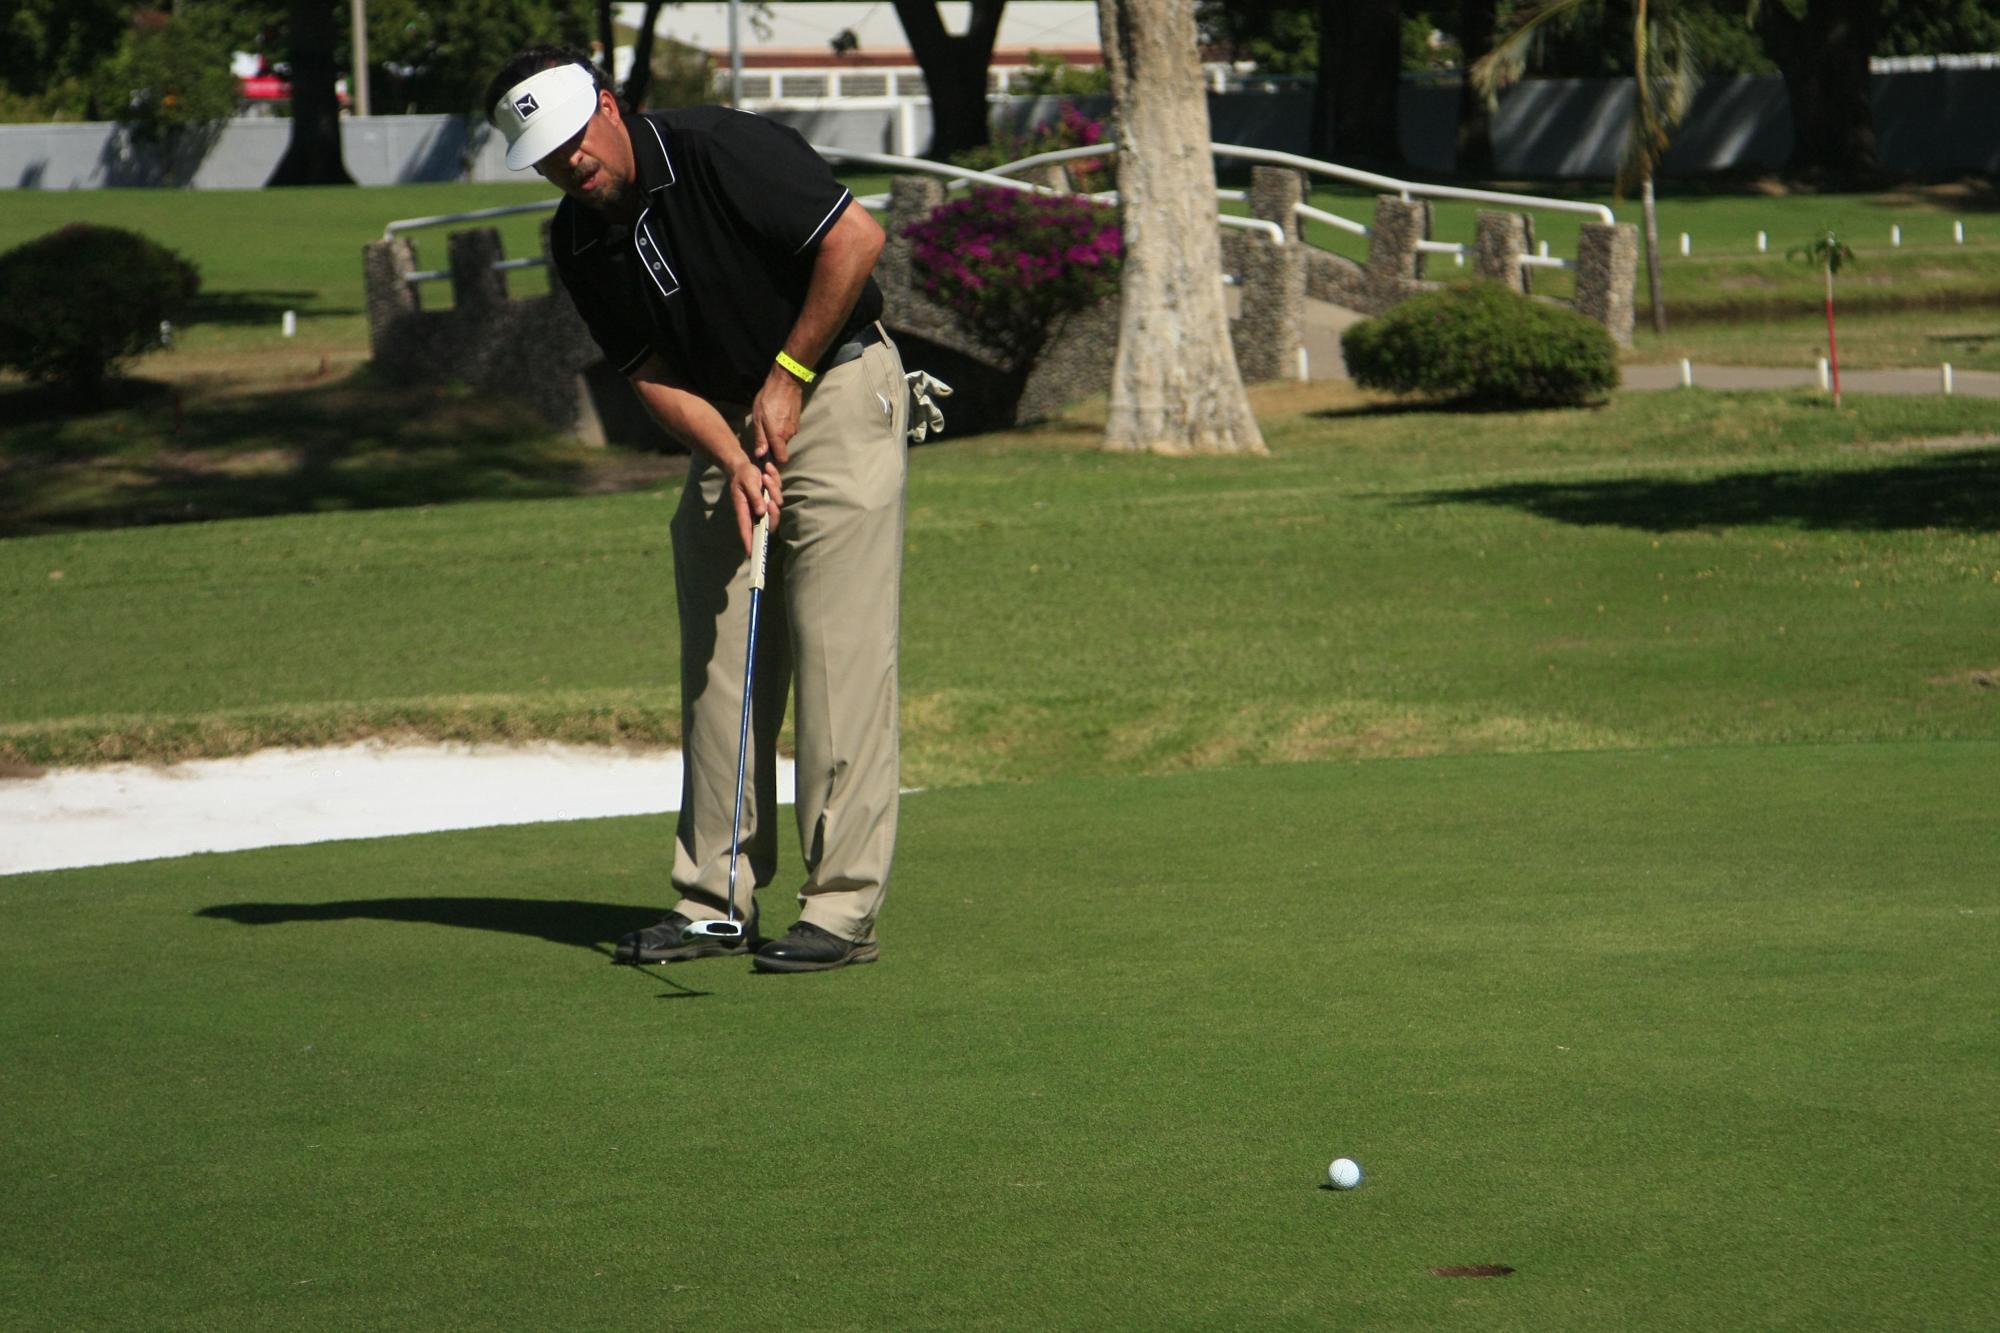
{"x": 828, "y": 625}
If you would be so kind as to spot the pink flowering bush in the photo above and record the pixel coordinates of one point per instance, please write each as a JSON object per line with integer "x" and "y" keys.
{"x": 1072, "y": 129}
{"x": 1014, "y": 265}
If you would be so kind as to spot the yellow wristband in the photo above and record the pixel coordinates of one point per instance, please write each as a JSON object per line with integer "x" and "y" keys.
{"x": 804, "y": 376}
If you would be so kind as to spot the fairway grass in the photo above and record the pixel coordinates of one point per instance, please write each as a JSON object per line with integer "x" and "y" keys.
{"x": 1689, "y": 1039}
{"x": 1686, "y": 568}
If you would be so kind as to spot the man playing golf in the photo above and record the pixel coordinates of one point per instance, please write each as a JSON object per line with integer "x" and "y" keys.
{"x": 721, "y": 268}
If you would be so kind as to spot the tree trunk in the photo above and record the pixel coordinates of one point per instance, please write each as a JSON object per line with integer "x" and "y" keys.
{"x": 1824, "y": 58}
{"x": 1476, "y": 22}
{"x": 1653, "y": 289}
{"x": 313, "y": 156}
{"x": 954, "y": 71}
{"x": 1175, "y": 387}
{"x": 1360, "y": 75}
{"x": 607, "y": 35}
{"x": 639, "y": 80}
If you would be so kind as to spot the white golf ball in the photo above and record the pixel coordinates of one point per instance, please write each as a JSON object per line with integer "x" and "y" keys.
{"x": 1344, "y": 1174}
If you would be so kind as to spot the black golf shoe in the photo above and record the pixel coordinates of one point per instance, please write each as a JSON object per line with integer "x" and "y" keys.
{"x": 661, "y": 942}
{"x": 807, "y": 948}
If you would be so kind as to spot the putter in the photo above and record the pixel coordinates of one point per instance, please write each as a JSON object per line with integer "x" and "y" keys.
{"x": 730, "y": 928}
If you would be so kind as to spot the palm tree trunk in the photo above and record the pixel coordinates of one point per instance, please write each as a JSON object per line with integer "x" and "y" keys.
{"x": 1653, "y": 254}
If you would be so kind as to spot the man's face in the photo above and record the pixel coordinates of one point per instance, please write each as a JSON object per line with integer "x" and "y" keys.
{"x": 595, "y": 166}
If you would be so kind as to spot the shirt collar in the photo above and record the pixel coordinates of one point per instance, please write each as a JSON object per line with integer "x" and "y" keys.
{"x": 652, "y": 170}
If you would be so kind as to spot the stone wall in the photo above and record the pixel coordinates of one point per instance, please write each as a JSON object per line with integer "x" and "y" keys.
{"x": 537, "y": 349}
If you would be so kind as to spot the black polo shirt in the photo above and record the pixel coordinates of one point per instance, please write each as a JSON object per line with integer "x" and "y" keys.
{"x": 714, "y": 273}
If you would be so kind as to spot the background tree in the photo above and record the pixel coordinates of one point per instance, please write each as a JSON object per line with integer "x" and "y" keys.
{"x": 1360, "y": 77}
{"x": 1664, "y": 79}
{"x": 1477, "y": 23}
{"x": 1175, "y": 386}
{"x": 49, "y": 52}
{"x": 1822, "y": 48}
{"x": 313, "y": 156}
{"x": 954, "y": 70}
{"x": 431, "y": 56}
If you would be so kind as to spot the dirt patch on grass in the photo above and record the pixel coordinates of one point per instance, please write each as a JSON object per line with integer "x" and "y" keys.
{"x": 1979, "y": 678}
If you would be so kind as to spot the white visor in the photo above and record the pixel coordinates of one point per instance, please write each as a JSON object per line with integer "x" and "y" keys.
{"x": 540, "y": 113}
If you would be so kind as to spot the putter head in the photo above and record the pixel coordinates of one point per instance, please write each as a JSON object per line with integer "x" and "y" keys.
{"x": 711, "y": 930}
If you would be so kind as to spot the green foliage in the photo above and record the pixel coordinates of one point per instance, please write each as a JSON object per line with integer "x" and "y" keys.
{"x": 428, "y": 56}
{"x": 682, "y": 76}
{"x": 49, "y": 50}
{"x": 1052, "y": 76}
{"x": 77, "y": 302}
{"x": 1486, "y": 345}
{"x": 1825, "y": 251}
{"x": 1278, "y": 38}
{"x": 169, "y": 77}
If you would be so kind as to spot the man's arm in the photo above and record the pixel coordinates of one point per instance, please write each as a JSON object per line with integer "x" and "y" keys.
{"x": 694, "y": 421}
{"x": 841, "y": 266}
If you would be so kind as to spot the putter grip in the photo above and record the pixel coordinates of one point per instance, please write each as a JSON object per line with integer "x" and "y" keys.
{"x": 760, "y": 545}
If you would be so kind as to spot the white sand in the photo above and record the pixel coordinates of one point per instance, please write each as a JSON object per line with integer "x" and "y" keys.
{"x": 135, "y": 812}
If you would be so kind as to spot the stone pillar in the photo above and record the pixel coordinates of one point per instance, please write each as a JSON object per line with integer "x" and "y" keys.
{"x": 1275, "y": 193}
{"x": 1273, "y": 295}
{"x": 385, "y": 269}
{"x": 477, "y": 288}
{"x": 1607, "y": 269}
{"x": 1501, "y": 240}
{"x": 911, "y": 200}
{"x": 1392, "y": 248}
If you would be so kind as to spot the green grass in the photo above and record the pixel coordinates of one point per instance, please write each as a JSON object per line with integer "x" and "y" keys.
{"x": 1687, "y": 1038}
{"x": 1672, "y": 569}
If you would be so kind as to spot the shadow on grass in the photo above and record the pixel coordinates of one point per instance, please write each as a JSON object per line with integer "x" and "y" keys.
{"x": 154, "y": 455}
{"x": 256, "y": 308}
{"x": 1958, "y": 491}
{"x": 592, "y": 926}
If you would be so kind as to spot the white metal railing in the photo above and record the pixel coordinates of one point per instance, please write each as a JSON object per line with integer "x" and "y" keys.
{"x": 1004, "y": 176}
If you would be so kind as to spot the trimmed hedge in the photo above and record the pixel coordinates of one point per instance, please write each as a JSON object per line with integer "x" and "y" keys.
{"x": 1485, "y": 345}
{"x": 78, "y": 301}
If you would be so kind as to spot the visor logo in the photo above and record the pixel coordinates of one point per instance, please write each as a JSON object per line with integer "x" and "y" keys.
{"x": 526, "y": 105}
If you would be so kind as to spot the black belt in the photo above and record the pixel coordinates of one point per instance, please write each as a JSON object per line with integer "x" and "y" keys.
{"x": 852, "y": 349}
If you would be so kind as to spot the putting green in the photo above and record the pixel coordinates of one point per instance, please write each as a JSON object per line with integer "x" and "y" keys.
{"x": 1686, "y": 1039}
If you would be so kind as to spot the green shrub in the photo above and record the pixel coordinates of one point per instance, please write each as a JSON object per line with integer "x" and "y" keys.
{"x": 77, "y": 302}
{"x": 1483, "y": 344}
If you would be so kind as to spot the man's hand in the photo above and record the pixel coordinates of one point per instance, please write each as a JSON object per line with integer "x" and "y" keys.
{"x": 774, "y": 416}
{"x": 753, "y": 492}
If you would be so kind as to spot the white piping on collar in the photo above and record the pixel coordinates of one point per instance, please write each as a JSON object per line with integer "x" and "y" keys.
{"x": 664, "y": 157}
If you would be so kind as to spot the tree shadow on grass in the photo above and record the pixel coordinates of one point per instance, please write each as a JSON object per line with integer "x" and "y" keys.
{"x": 354, "y": 443}
{"x": 583, "y": 925}
{"x": 257, "y": 308}
{"x": 1958, "y": 491}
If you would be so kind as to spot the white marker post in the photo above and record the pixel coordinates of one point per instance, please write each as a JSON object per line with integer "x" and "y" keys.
{"x": 1687, "y": 245}
{"x": 291, "y": 323}
{"x": 1824, "y": 382}
{"x": 1305, "y": 365}
{"x": 1763, "y": 243}
{"x": 1958, "y": 232}
{"x": 1944, "y": 378}
{"x": 1896, "y": 234}
{"x": 1687, "y": 373}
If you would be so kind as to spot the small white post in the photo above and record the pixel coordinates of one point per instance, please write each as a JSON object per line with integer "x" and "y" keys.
{"x": 1687, "y": 374}
{"x": 1945, "y": 378}
{"x": 1895, "y": 233}
{"x": 1763, "y": 243}
{"x": 1958, "y": 232}
{"x": 1545, "y": 250}
{"x": 1687, "y": 245}
{"x": 166, "y": 333}
{"x": 1825, "y": 382}
{"x": 1458, "y": 259}
{"x": 291, "y": 323}
{"x": 1305, "y": 366}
